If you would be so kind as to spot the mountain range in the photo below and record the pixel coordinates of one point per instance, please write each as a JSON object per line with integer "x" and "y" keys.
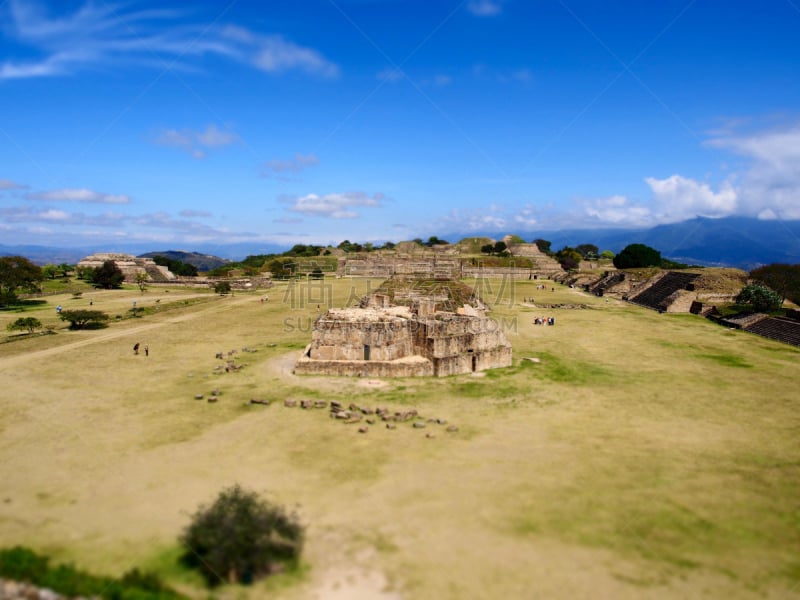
{"x": 731, "y": 242}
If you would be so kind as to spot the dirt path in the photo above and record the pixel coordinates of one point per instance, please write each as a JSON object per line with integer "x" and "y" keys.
{"x": 13, "y": 361}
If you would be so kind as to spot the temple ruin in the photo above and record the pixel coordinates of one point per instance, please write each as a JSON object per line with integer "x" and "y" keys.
{"x": 130, "y": 266}
{"x": 408, "y": 327}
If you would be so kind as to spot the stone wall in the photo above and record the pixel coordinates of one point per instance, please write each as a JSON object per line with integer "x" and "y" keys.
{"x": 415, "y": 366}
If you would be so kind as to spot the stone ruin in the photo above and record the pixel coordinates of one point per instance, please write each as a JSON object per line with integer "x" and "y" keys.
{"x": 130, "y": 266}
{"x": 408, "y": 327}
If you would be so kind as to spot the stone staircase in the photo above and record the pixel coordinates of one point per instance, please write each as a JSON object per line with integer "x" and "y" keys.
{"x": 658, "y": 292}
{"x": 777, "y": 328}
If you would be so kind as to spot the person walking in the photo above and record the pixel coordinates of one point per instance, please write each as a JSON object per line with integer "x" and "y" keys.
{"x": 146, "y": 350}
{"x": 136, "y": 348}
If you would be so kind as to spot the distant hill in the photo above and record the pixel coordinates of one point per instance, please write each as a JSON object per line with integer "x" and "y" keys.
{"x": 203, "y": 262}
{"x": 730, "y": 242}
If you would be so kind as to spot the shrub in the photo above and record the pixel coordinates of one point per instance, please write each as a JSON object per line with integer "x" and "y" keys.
{"x": 760, "y": 297}
{"x": 241, "y": 537}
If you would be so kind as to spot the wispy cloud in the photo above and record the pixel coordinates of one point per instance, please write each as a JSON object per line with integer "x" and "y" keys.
{"x": 196, "y": 143}
{"x": 332, "y": 206}
{"x": 390, "y": 75}
{"x": 7, "y": 184}
{"x": 485, "y": 8}
{"x": 100, "y": 33}
{"x": 78, "y": 195}
{"x": 276, "y": 54}
{"x": 191, "y": 213}
{"x": 298, "y": 163}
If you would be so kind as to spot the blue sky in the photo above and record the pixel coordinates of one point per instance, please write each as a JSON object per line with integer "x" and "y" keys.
{"x": 312, "y": 121}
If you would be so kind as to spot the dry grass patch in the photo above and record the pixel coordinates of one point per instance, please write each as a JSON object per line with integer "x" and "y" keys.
{"x": 646, "y": 455}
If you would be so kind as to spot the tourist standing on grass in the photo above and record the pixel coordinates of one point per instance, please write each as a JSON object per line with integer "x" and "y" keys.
{"x": 136, "y": 348}
{"x": 146, "y": 350}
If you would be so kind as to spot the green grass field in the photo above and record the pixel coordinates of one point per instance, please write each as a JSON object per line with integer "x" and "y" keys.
{"x": 644, "y": 456}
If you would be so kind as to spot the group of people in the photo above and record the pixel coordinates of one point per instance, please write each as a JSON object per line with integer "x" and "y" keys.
{"x": 136, "y": 349}
{"x": 544, "y": 321}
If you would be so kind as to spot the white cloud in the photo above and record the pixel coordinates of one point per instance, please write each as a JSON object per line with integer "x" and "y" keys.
{"x": 485, "y": 8}
{"x": 99, "y": 33}
{"x": 289, "y": 220}
{"x": 78, "y": 195}
{"x": 196, "y": 142}
{"x": 298, "y": 163}
{"x": 333, "y": 206}
{"x": 770, "y": 187}
{"x": 677, "y": 198}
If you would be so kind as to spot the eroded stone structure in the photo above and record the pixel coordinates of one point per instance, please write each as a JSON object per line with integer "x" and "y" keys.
{"x": 130, "y": 266}
{"x": 404, "y": 330}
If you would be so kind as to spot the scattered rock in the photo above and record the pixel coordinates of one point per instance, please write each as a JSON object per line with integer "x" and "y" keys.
{"x": 198, "y": 396}
{"x": 419, "y": 425}
{"x": 290, "y": 403}
{"x": 257, "y": 401}
{"x": 391, "y": 426}
{"x": 532, "y": 359}
{"x": 452, "y": 429}
{"x": 364, "y": 429}
{"x": 306, "y": 404}
{"x": 320, "y": 404}
{"x": 212, "y": 399}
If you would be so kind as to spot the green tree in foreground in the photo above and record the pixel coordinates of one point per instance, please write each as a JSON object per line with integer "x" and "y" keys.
{"x": 29, "y": 324}
{"x": 83, "y": 319}
{"x": 17, "y": 272}
{"x": 635, "y": 256}
{"x": 760, "y": 297}
{"x": 241, "y": 537}
{"x": 108, "y": 276}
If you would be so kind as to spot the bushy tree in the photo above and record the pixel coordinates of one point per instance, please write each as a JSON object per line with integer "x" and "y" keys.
{"x": 222, "y": 287}
{"x": 83, "y": 319}
{"x": 17, "y": 272}
{"x": 241, "y": 537}
{"x": 29, "y": 324}
{"x": 50, "y": 271}
{"x": 760, "y": 297}
{"x": 500, "y": 247}
{"x": 487, "y": 249}
{"x": 588, "y": 251}
{"x": 107, "y": 276}
{"x": 635, "y": 256}
{"x": 569, "y": 258}
{"x": 543, "y": 245}
{"x": 781, "y": 277}
{"x": 606, "y": 254}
